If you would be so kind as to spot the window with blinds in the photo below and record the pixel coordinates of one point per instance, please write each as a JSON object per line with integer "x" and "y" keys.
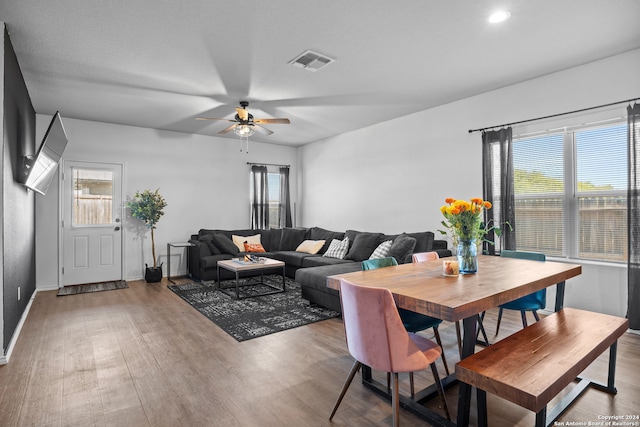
{"x": 570, "y": 190}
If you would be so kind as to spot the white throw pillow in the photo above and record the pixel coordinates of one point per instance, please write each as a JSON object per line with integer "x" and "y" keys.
{"x": 310, "y": 246}
{"x": 382, "y": 251}
{"x": 239, "y": 240}
{"x": 338, "y": 248}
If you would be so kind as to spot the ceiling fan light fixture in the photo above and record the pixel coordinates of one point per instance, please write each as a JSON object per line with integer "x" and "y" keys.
{"x": 244, "y": 131}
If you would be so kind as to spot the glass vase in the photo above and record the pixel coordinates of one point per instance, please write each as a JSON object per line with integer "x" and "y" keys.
{"x": 468, "y": 256}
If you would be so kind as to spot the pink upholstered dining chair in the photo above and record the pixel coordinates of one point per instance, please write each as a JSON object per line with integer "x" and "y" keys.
{"x": 425, "y": 256}
{"x": 377, "y": 338}
{"x": 430, "y": 256}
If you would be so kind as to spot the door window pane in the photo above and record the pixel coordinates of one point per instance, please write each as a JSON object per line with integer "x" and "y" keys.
{"x": 274, "y": 199}
{"x": 92, "y": 197}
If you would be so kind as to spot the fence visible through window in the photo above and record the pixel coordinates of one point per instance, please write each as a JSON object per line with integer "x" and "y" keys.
{"x": 570, "y": 193}
{"x": 92, "y": 197}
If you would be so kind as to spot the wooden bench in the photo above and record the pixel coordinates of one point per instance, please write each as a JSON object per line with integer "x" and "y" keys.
{"x": 535, "y": 364}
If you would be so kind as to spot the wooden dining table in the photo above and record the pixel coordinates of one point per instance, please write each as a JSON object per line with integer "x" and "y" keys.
{"x": 421, "y": 287}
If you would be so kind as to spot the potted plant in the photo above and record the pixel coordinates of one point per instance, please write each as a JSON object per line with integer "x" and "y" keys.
{"x": 147, "y": 207}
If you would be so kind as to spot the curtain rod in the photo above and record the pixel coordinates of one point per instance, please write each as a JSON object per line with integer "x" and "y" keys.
{"x": 268, "y": 164}
{"x": 554, "y": 115}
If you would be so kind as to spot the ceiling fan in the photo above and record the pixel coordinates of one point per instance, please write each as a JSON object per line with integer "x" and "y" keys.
{"x": 244, "y": 125}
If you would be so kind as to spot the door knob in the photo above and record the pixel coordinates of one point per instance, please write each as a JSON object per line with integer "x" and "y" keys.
{"x": 117, "y": 228}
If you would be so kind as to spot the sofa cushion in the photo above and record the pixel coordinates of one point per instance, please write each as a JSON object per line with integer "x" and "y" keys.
{"x": 402, "y": 247}
{"x": 291, "y": 258}
{"x": 273, "y": 244}
{"x": 337, "y": 249}
{"x": 424, "y": 241}
{"x": 310, "y": 246}
{"x": 316, "y": 277}
{"x": 224, "y": 244}
{"x": 317, "y": 233}
{"x": 382, "y": 250}
{"x": 315, "y": 261}
{"x": 291, "y": 238}
{"x": 207, "y": 247}
{"x": 243, "y": 232}
{"x": 363, "y": 246}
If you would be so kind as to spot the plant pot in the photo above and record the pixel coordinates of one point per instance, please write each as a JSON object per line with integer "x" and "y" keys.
{"x": 153, "y": 274}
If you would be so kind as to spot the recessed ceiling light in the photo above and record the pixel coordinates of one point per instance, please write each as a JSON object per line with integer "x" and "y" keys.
{"x": 499, "y": 16}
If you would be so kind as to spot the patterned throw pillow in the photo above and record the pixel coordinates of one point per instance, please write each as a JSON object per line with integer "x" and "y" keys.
{"x": 253, "y": 247}
{"x": 338, "y": 248}
{"x": 382, "y": 251}
{"x": 239, "y": 241}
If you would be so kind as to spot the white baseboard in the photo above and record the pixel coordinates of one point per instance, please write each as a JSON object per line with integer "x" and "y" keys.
{"x": 5, "y": 359}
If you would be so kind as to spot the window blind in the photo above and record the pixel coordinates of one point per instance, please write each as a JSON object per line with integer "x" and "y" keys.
{"x": 570, "y": 190}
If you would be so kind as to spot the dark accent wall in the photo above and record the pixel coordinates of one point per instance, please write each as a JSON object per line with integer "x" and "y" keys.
{"x": 17, "y": 205}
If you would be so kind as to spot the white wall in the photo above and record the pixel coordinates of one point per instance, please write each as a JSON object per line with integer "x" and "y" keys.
{"x": 393, "y": 176}
{"x": 204, "y": 180}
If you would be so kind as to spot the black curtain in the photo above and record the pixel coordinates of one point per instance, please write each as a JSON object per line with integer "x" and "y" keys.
{"x": 284, "y": 211}
{"x": 260, "y": 202}
{"x": 497, "y": 169}
{"x": 633, "y": 211}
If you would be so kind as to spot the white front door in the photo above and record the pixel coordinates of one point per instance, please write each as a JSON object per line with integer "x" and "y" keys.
{"x": 91, "y": 222}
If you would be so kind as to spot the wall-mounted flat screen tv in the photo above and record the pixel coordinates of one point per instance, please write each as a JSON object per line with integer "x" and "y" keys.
{"x": 41, "y": 169}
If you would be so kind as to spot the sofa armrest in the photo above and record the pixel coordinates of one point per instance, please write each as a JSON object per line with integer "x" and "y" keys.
{"x": 196, "y": 252}
{"x": 439, "y": 244}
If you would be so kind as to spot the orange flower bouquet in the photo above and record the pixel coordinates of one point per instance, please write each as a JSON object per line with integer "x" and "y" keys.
{"x": 464, "y": 221}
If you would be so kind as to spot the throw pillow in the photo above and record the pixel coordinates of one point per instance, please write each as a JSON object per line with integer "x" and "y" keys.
{"x": 291, "y": 238}
{"x": 363, "y": 246}
{"x": 207, "y": 240}
{"x": 225, "y": 244}
{"x": 253, "y": 247}
{"x": 310, "y": 246}
{"x": 402, "y": 247}
{"x": 317, "y": 233}
{"x": 337, "y": 248}
{"x": 382, "y": 251}
{"x": 239, "y": 240}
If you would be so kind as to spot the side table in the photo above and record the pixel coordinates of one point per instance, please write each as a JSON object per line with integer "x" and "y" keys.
{"x": 174, "y": 245}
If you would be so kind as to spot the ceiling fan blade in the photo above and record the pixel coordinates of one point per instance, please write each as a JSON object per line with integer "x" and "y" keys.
{"x": 262, "y": 130}
{"x": 273, "y": 121}
{"x": 213, "y": 118}
{"x": 227, "y": 129}
{"x": 242, "y": 113}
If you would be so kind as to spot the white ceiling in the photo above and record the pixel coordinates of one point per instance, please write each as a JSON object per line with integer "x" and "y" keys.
{"x": 161, "y": 63}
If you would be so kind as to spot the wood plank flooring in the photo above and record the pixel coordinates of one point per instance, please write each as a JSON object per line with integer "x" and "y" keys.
{"x": 143, "y": 357}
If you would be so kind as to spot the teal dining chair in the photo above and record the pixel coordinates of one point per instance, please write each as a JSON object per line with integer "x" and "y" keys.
{"x": 412, "y": 321}
{"x": 532, "y": 302}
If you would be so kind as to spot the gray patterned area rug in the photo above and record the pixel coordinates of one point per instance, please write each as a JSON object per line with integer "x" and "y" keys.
{"x": 92, "y": 287}
{"x": 253, "y": 317}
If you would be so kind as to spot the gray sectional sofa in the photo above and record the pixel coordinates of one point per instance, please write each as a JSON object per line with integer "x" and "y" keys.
{"x": 309, "y": 270}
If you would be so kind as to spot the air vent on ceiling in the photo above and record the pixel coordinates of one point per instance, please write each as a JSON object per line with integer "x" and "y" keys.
{"x": 312, "y": 61}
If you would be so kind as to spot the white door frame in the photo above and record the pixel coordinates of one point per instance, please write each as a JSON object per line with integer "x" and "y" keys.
{"x": 120, "y": 211}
